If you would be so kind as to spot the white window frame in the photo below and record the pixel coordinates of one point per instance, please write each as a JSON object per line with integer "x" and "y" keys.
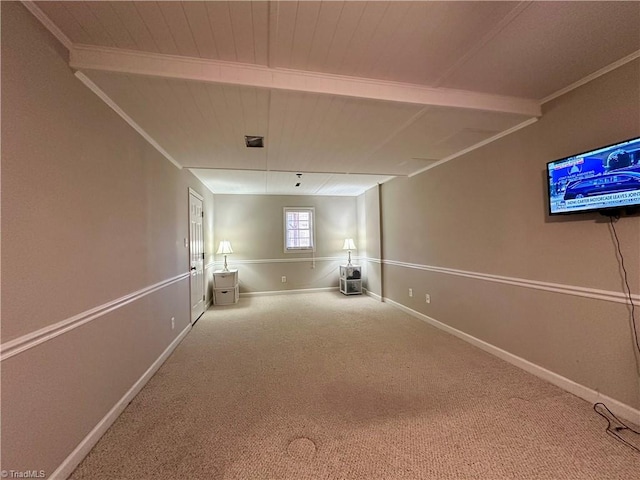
{"x": 311, "y": 210}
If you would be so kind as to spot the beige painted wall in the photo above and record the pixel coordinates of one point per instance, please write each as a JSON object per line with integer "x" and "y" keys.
{"x": 485, "y": 212}
{"x": 369, "y": 239}
{"x": 361, "y": 239}
{"x": 90, "y": 213}
{"x": 254, "y": 225}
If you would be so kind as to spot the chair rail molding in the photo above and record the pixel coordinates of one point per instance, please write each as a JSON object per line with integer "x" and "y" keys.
{"x": 598, "y": 294}
{"x": 33, "y": 339}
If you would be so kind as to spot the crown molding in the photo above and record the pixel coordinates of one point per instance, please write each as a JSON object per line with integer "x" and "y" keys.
{"x": 48, "y": 23}
{"x": 592, "y": 76}
{"x": 114, "y": 106}
{"x": 487, "y": 141}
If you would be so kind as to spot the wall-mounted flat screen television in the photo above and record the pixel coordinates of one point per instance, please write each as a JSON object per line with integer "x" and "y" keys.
{"x": 602, "y": 180}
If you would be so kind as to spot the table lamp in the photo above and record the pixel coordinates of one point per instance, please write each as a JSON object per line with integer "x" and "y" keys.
{"x": 349, "y": 245}
{"x": 225, "y": 248}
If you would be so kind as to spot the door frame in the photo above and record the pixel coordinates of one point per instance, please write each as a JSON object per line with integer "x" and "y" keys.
{"x": 189, "y": 243}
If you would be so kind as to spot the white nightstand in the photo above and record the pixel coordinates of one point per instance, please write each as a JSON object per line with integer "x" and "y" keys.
{"x": 351, "y": 279}
{"x": 225, "y": 287}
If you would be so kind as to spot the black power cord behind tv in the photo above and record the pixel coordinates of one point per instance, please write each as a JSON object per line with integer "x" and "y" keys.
{"x": 614, "y": 424}
{"x": 626, "y": 282}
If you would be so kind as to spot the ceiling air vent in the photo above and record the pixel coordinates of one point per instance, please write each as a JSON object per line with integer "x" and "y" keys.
{"x": 253, "y": 141}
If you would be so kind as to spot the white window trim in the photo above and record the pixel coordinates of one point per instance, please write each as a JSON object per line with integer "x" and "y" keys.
{"x": 313, "y": 229}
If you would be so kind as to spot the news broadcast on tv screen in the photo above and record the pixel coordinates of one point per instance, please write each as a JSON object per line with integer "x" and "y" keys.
{"x": 605, "y": 178}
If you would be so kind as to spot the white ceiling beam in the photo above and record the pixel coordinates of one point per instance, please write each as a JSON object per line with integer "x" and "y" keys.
{"x": 83, "y": 57}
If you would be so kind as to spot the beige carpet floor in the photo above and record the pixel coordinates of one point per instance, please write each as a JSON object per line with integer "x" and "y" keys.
{"x": 323, "y": 386}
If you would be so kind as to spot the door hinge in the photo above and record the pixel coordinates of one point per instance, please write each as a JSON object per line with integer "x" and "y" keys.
{"x": 202, "y": 297}
{"x": 202, "y": 214}
{"x": 203, "y": 255}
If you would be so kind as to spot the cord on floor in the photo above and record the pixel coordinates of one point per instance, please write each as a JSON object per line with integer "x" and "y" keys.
{"x": 614, "y": 424}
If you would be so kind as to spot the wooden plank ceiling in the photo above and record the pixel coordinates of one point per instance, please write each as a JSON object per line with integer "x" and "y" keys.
{"x": 368, "y": 89}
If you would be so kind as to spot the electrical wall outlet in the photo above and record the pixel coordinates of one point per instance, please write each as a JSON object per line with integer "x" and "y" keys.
{"x": 411, "y": 292}
{"x": 284, "y": 279}
{"x": 427, "y": 298}
{"x": 173, "y": 323}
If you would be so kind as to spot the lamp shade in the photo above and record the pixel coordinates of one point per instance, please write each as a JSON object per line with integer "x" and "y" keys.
{"x": 348, "y": 244}
{"x": 225, "y": 247}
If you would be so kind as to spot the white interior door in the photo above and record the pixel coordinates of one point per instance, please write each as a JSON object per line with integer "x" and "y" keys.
{"x": 196, "y": 255}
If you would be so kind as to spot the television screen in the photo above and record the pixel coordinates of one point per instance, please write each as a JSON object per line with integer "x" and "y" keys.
{"x": 602, "y": 179}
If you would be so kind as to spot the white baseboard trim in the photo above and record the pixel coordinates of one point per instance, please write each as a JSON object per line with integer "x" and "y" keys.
{"x": 372, "y": 295}
{"x": 592, "y": 396}
{"x": 287, "y": 292}
{"x": 84, "y": 447}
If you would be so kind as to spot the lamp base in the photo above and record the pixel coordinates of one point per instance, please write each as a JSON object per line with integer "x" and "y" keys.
{"x": 226, "y": 268}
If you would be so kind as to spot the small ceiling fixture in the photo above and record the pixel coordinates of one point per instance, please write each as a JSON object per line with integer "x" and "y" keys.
{"x": 254, "y": 141}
